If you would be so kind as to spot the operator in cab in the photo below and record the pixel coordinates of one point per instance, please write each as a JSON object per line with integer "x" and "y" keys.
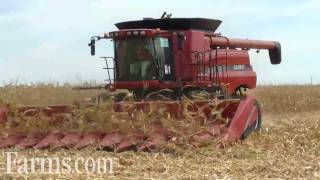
{"x": 141, "y": 67}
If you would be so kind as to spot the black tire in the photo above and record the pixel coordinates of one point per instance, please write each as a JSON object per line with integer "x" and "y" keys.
{"x": 119, "y": 97}
{"x": 254, "y": 127}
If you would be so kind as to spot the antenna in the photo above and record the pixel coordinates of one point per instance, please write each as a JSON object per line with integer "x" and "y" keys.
{"x": 166, "y": 16}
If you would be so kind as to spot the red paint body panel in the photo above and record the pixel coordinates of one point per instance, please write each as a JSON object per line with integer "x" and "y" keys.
{"x": 152, "y": 84}
{"x": 245, "y": 115}
{"x": 242, "y": 43}
{"x": 186, "y": 62}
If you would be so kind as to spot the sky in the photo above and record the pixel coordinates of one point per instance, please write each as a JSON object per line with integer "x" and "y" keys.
{"x": 47, "y": 40}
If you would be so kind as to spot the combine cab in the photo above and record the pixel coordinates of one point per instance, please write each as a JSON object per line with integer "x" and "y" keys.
{"x": 188, "y": 80}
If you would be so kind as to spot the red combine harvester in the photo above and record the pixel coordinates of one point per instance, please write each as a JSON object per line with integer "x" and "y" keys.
{"x": 177, "y": 64}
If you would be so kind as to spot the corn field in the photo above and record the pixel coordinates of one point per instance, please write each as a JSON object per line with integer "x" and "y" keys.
{"x": 287, "y": 146}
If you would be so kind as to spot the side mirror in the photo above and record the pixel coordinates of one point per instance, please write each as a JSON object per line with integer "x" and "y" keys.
{"x": 92, "y": 46}
{"x": 180, "y": 43}
{"x": 275, "y": 54}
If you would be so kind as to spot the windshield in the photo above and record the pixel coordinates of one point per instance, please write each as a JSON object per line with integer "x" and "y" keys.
{"x": 138, "y": 58}
{"x": 135, "y": 59}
